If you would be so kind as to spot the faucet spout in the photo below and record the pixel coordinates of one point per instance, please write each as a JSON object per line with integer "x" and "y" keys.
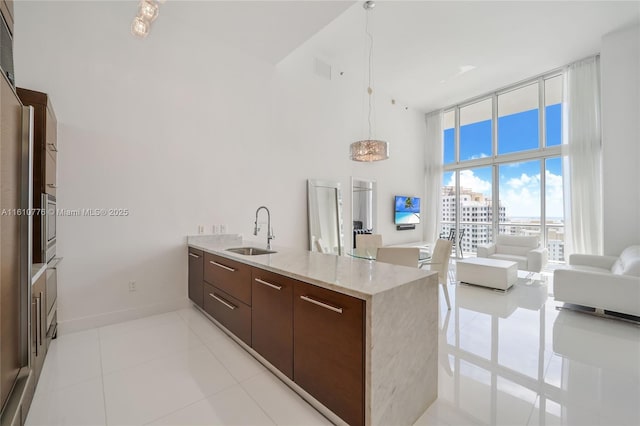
{"x": 270, "y": 235}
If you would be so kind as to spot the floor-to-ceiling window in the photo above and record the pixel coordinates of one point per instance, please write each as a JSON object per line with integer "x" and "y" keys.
{"x": 503, "y": 166}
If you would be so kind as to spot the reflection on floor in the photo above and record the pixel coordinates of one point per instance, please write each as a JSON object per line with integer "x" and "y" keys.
{"x": 505, "y": 358}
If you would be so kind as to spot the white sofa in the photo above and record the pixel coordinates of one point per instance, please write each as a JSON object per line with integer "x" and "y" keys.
{"x": 603, "y": 282}
{"x": 526, "y": 251}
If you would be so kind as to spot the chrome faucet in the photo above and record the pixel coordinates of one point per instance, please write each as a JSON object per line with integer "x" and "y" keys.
{"x": 270, "y": 235}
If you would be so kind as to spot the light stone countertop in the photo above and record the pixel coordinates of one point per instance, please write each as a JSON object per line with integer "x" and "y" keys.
{"x": 355, "y": 277}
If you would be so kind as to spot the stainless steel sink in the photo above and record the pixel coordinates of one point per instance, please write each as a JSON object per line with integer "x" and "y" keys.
{"x": 250, "y": 251}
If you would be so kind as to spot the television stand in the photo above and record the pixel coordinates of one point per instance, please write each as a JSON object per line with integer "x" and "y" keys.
{"x": 405, "y": 227}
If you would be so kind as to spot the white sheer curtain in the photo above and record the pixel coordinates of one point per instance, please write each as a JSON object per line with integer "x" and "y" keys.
{"x": 433, "y": 160}
{"x": 584, "y": 144}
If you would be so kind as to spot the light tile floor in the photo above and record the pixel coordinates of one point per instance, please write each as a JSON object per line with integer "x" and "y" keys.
{"x": 508, "y": 359}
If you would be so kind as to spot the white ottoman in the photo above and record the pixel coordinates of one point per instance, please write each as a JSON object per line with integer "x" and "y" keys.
{"x": 493, "y": 273}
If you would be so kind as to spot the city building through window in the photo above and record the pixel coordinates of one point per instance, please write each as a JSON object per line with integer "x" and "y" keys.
{"x": 505, "y": 147}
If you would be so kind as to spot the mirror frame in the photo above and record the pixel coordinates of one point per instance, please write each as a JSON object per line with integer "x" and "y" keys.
{"x": 321, "y": 183}
{"x": 374, "y": 203}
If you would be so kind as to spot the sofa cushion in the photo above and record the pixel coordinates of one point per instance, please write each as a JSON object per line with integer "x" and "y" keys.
{"x": 521, "y": 260}
{"x": 628, "y": 263}
{"x": 586, "y": 268}
{"x": 513, "y": 250}
{"x": 516, "y": 244}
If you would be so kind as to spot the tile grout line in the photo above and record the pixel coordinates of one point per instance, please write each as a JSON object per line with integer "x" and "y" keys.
{"x": 239, "y": 382}
{"x": 254, "y": 400}
{"x": 207, "y": 347}
{"x": 214, "y": 354}
{"x": 158, "y": 357}
{"x": 104, "y": 392}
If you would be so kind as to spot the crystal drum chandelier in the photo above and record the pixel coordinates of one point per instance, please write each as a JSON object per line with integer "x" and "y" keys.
{"x": 370, "y": 149}
{"x": 147, "y": 13}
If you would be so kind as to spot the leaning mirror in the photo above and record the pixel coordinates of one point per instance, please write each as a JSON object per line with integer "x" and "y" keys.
{"x": 324, "y": 205}
{"x": 363, "y": 206}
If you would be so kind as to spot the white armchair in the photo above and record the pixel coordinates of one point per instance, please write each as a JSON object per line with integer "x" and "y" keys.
{"x": 524, "y": 250}
{"x": 602, "y": 282}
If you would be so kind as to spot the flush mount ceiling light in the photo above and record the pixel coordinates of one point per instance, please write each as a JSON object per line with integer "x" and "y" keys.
{"x": 370, "y": 149}
{"x": 147, "y": 13}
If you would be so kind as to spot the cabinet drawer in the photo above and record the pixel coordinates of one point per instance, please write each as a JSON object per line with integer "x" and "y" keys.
{"x": 272, "y": 318}
{"x": 329, "y": 349}
{"x": 196, "y": 271}
{"x": 229, "y": 311}
{"x": 232, "y": 277}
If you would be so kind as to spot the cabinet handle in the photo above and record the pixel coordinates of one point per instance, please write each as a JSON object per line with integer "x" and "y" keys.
{"x": 39, "y": 319}
{"x": 324, "y": 305}
{"x": 277, "y": 287}
{"x": 34, "y": 326}
{"x": 224, "y": 302}
{"x": 52, "y": 185}
{"x": 53, "y": 147}
{"x": 194, "y": 255}
{"x": 222, "y": 266}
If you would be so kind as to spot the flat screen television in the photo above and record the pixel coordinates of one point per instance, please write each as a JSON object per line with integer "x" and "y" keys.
{"x": 407, "y": 210}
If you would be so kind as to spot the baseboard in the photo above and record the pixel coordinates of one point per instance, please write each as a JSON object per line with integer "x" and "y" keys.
{"x": 100, "y": 320}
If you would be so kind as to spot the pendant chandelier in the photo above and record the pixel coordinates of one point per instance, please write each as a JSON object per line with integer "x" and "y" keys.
{"x": 147, "y": 13}
{"x": 370, "y": 149}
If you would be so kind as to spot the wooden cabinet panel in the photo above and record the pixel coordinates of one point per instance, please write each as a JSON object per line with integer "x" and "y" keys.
{"x": 45, "y": 158}
{"x": 6, "y": 8}
{"x": 329, "y": 349}
{"x": 196, "y": 276}
{"x": 50, "y": 174}
{"x": 10, "y": 160}
{"x": 272, "y": 318}
{"x": 232, "y": 277}
{"x": 229, "y": 311}
{"x": 38, "y": 325}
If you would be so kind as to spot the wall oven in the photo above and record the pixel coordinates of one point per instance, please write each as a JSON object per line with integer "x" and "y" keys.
{"x": 49, "y": 226}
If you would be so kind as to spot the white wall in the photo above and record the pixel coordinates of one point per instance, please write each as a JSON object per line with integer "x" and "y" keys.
{"x": 620, "y": 62}
{"x": 184, "y": 131}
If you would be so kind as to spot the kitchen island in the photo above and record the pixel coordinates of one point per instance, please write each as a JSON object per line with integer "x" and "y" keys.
{"x": 356, "y": 338}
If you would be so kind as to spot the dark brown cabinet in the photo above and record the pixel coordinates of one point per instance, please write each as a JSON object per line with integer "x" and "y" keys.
{"x": 227, "y": 294}
{"x": 314, "y": 336}
{"x": 45, "y": 159}
{"x": 232, "y": 277}
{"x": 196, "y": 276}
{"x": 272, "y": 318}
{"x": 229, "y": 311}
{"x": 329, "y": 349}
{"x": 38, "y": 325}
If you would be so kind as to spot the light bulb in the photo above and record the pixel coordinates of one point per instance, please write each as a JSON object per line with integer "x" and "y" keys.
{"x": 140, "y": 27}
{"x": 148, "y": 10}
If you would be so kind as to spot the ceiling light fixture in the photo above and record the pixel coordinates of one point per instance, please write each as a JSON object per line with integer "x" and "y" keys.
{"x": 147, "y": 13}
{"x": 370, "y": 149}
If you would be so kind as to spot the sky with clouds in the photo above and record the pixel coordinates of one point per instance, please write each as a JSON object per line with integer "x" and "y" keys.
{"x": 519, "y": 183}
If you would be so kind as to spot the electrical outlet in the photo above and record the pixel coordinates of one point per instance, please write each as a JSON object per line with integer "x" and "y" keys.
{"x": 200, "y": 229}
{"x": 223, "y": 229}
{"x": 132, "y": 286}
{"x": 215, "y": 229}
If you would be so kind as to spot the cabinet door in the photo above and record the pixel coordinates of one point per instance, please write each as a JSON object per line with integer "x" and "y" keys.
{"x": 329, "y": 349}
{"x": 10, "y": 159}
{"x": 50, "y": 173}
{"x": 38, "y": 325}
{"x": 272, "y": 318}
{"x": 229, "y": 311}
{"x": 234, "y": 278}
{"x": 196, "y": 276}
